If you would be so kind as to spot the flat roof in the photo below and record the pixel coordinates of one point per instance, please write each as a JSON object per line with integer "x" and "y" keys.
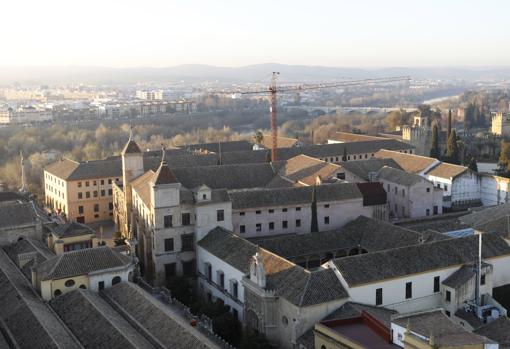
{"x": 361, "y": 334}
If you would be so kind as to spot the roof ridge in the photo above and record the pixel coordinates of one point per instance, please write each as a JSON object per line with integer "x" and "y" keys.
{"x": 309, "y": 276}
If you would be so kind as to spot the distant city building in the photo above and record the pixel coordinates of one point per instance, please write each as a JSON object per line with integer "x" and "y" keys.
{"x": 25, "y": 115}
{"x": 501, "y": 124}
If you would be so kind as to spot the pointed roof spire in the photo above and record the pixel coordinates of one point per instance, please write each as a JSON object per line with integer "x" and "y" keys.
{"x": 163, "y": 175}
{"x": 131, "y": 145}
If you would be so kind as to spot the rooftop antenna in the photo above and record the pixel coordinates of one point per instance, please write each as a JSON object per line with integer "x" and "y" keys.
{"x": 130, "y": 131}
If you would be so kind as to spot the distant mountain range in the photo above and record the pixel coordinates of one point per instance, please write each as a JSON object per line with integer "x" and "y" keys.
{"x": 252, "y": 73}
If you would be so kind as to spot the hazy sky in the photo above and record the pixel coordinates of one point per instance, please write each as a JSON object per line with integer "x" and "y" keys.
{"x": 122, "y": 33}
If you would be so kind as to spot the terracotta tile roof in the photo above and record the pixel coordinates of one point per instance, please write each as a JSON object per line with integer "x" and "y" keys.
{"x": 447, "y": 171}
{"x": 408, "y": 162}
{"x": 292, "y": 282}
{"x": 400, "y": 177}
{"x": 348, "y": 137}
{"x": 364, "y": 168}
{"x": 71, "y": 229}
{"x": 446, "y": 332}
{"x": 164, "y": 175}
{"x": 306, "y": 169}
{"x": 95, "y": 323}
{"x": 131, "y": 147}
{"x": 28, "y": 320}
{"x": 399, "y": 262}
{"x": 71, "y": 170}
{"x": 156, "y": 318}
{"x": 252, "y": 198}
{"x": 373, "y": 193}
{"x": 282, "y": 142}
{"x": 81, "y": 262}
{"x": 498, "y": 330}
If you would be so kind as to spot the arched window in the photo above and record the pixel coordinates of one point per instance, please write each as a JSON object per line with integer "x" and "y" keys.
{"x": 57, "y": 293}
{"x": 83, "y": 287}
{"x": 69, "y": 283}
{"x": 116, "y": 280}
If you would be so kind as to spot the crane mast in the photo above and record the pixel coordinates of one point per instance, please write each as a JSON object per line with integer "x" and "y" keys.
{"x": 274, "y": 123}
{"x": 273, "y": 89}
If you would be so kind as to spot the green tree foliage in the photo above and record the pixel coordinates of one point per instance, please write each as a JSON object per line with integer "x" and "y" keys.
{"x": 452, "y": 150}
{"x": 397, "y": 118}
{"x": 504, "y": 160}
{"x": 472, "y": 165}
{"x": 258, "y": 137}
{"x": 434, "y": 150}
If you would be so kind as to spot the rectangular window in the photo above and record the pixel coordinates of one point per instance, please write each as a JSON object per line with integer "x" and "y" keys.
{"x": 241, "y": 213}
{"x": 167, "y": 221}
{"x": 103, "y": 192}
{"x": 100, "y": 285}
{"x": 95, "y": 193}
{"x": 187, "y": 242}
{"x": 482, "y": 279}
{"x": 170, "y": 270}
{"x": 270, "y": 211}
{"x": 403, "y": 192}
{"x": 326, "y": 206}
{"x": 96, "y": 207}
{"x": 298, "y": 208}
{"x": 257, "y": 212}
{"x": 110, "y": 206}
{"x": 258, "y": 227}
{"x": 436, "y": 284}
{"x": 79, "y": 184}
{"x": 427, "y": 212}
{"x": 208, "y": 271}
{"x": 87, "y": 183}
{"x": 80, "y": 196}
{"x": 298, "y": 223}
{"x": 340, "y": 175}
{"x": 409, "y": 290}
{"x": 109, "y": 181}
{"x": 188, "y": 268}
{"x": 378, "y": 296}
{"x": 220, "y": 215}
{"x": 102, "y": 181}
{"x": 448, "y": 296}
{"x": 87, "y": 195}
{"x": 234, "y": 289}
{"x": 271, "y": 225}
{"x": 80, "y": 209}
{"x": 436, "y": 210}
{"x": 445, "y": 187}
{"x": 428, "y": 190}
{"x": 284, "y": 224}
{"x": 242, "y": 229}
{"x": 326, "y": 220}
{"x": 169, "y": 245}
{"x": 221, "y": 279}
{"x": 186, "y": 219}
{"x": 284, "y": 210}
